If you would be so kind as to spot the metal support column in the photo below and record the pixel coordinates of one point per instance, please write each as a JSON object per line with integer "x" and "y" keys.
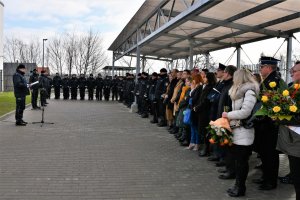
{"x": 143, "y": 64}
{"x": 288, "y": 58}
{"x": 207, "y": 61}
{"x": 238, "y": 59}
{"x": 172, "y": 65}
{"x": 138, "y": 69}
{"x": 113, "y": 66}
{"x": 191, "y": 65}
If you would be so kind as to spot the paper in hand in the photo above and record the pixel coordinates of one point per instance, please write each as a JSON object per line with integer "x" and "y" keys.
{"x": 34, "y": 83}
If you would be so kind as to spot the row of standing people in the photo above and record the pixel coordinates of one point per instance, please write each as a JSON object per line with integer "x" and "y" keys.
{"x": 166, "y": 96}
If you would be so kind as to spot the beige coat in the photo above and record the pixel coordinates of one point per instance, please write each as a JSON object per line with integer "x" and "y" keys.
{"x": 175, "y": 93}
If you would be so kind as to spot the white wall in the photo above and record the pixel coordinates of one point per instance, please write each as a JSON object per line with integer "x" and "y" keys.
{"x": 1, "y": 34}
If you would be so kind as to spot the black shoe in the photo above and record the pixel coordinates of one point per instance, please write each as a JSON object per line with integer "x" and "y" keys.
{"x": 220, "y": 164}
{"x": 20, "y": 124}
{"x": 161, "y": 124}
{"x": 203, "y": 152}
{"x": 144, "y": 116}
{"x": 267, "y": 186}
{"x": 153, "y": 121}
{"x": 24, "y": 122}
{"x": 236, "y": 191}
{"x": 227, "y": 176}
{"x": 258, "y": 181}
{"x": 170, "y": 128}
{"x": 184, "y": 143}
{"x": 213, "y": 158}
{"x": 222, "y": 170}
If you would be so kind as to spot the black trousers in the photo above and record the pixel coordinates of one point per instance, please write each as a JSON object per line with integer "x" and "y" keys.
{"x": 74, "y": 93}
{"x": 267, "y": 133}
{"x": 82, "y": 93}
{"x": 34, "y": 97}
{"x": 240, "y": 155}
{"x": 295, "y": 174}
{"x": 20, "y": 107}
{"x": 106, "y": 93}
{"x": 91, "y": 93}
{"x": 162, "y": 111}
{"x": 66, "y": 92}
{"x": 99, "y": 93}
{"x": 57, "y": 92}
{"x": 155, "y": 110}
{"x": 43, "y": 95}
{"x": 114, "y": 92}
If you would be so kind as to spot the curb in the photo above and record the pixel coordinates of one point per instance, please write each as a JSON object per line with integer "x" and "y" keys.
{"x": 3, "y": 117}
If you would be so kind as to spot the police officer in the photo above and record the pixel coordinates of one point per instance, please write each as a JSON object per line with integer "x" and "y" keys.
{"x": 50, "y": 85}
{"x": 143, "y": 88}
{"x": 106, "y": 88}
{"x": 91, "y": 86}
{"x": 73, "y": 85}
{"x": 114, "y": 88}
{"x": 66, "y": 87}
{"x": 120, "y": 88}
{"x": 21, "y": 91}
{"x": 266, "y": 131}
{"x": 56, "y": 84}
{"x": 160, "y": 89}
{"x": 44, "y": 85}
{"x": 82, "y": 84}
{"x": 34, "y": 89}
{"x": 151, "y": 94}
{"x": 99, "y": 87}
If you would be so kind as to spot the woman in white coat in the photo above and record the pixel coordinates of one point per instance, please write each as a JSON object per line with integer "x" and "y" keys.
{"x": 243, "y": 95}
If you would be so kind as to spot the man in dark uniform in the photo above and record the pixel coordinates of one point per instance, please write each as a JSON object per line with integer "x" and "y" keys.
{"x": 90, "y": 82}
{"x": 82, "y": 85}
{"x": 151, "y": 94}
{"x": 44, "y": 85}
{"x": 73, "y": 85}
{"x": 106, "y": 88}
{"x": 99, "y": 87}
{"x": 137, "y": 92}
{"x": 120, "y": 88}
{"x": 143, "y": 96}
{"x": 160, "y": 89}
{"x": 66, "y": 87}
{"x": 56, "y": 84}
{"x": 266, "y": 131}
{"x": 21, "y": 91}
{"x": 50, "y": 83}
{"x": 34, "y": 89}
{"x": 114, "y": 88}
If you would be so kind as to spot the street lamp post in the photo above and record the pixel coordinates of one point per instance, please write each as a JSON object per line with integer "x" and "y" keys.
{"x": 44, "y": 53}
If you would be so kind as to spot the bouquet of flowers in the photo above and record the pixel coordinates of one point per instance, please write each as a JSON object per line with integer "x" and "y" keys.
{"x": 280, "y": 104}
{"x": 220, "y": 132}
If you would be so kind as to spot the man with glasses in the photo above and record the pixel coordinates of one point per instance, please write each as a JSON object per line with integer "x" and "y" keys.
{"x": 266, "y": 131}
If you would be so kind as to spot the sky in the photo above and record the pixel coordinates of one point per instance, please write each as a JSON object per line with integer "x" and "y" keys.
{"x": 45, "y": 18}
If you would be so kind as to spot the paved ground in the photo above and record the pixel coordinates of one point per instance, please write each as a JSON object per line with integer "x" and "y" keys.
{"x": 99, "y": 150}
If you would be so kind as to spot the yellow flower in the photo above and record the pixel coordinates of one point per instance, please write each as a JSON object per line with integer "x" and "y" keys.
{"x": 296, "y": 86}
{"x": 285, "y": 93}
{"x": 293, "y": 108}
{"x": 272, "y": 84}
{"x": 276, "y": 109}
{"x": 264, "y": 99}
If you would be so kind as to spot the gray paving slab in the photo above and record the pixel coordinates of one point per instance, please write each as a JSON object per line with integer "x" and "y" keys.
{"x": 99, "y": 150}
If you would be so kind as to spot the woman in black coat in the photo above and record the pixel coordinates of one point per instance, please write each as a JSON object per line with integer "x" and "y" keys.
{"x": 202, "y": 108}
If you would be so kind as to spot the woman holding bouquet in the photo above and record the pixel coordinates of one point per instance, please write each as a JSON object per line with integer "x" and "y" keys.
{"x": 289, "y": 137}
{"x": 243, "y": 95}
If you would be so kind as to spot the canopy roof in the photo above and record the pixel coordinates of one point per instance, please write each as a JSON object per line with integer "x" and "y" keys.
{"x": 173, "y": 29}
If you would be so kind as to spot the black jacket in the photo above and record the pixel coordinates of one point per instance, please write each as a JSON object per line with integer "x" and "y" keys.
{"x": 225, "y": 102}
{"x": 20, "y": 85}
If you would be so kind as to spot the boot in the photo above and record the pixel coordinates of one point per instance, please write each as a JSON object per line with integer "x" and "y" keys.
{"x": 196, "y": 147}
{"x": 236, "y": 191}
{"x": 183, "y": 135}
{"x": 203, "y": 152}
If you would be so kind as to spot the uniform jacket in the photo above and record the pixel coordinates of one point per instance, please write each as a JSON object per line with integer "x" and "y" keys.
{"x": 242, "y": 107}
{"x": 20, "y": 85}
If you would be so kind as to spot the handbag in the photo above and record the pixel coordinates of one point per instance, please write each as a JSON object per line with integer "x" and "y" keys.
{"x": 187, "y": 116}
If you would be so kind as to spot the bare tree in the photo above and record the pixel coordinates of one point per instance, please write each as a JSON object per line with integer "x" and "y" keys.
{"x": 57, "y": 54}
{"x": 70, "y": 49}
